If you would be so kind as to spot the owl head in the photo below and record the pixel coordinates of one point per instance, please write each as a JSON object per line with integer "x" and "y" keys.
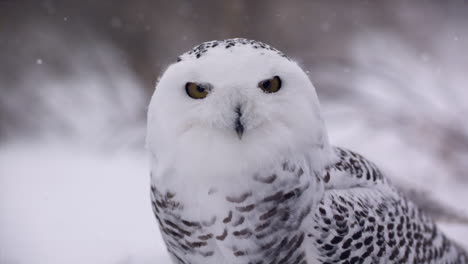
{"x": 235, "y": 102}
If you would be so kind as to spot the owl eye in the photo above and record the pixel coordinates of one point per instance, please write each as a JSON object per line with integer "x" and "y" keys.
{"x": 270, "y": 85}
{"x": 197, "y": 90}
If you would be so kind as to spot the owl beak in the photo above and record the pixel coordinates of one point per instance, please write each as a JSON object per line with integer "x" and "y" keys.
{"x": 238, "y": 124}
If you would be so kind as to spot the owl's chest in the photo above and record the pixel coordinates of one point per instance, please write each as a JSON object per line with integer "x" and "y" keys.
{"x": 259, "y": 222}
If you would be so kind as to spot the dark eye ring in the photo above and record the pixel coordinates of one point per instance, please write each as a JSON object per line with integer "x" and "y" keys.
{"x": 272, "y": 85}
{"x": 197, "y": 90}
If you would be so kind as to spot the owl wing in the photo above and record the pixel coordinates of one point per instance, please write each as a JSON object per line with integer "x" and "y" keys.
{"x": 362, "y": 218}
{"x": 352, "y": 171}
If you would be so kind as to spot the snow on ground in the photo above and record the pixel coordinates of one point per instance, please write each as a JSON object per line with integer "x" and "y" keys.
{"x": 62, "y": 203}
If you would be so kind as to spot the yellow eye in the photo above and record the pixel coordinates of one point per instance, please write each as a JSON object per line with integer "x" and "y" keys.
{"x": 270, "y": 85}
{"x": 196, "y": 90}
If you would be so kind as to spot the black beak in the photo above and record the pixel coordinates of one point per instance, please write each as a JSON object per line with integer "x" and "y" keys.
{"x": 238, "y": 124}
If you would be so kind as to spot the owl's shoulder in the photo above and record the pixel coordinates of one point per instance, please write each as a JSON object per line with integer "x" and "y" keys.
{"x": 352, "y": 170}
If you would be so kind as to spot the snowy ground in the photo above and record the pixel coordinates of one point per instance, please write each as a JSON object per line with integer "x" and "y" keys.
{"x": 61, "y": 203}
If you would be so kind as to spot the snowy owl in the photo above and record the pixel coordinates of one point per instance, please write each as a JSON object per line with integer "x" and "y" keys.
{"x": 242, "y": 171}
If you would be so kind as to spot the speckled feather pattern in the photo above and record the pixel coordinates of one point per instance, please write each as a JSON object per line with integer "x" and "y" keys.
{"x": 259, "y": 221}
{"x": 364, "y": 224}
{"x": 368, "y": 222}
{"x": 200, "y": 50}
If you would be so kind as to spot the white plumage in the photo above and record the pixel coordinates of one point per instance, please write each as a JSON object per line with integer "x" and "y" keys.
{"x": 242, "y": 171}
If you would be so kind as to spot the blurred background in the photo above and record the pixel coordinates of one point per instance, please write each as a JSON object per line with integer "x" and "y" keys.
{"x": 76, "y": 78}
